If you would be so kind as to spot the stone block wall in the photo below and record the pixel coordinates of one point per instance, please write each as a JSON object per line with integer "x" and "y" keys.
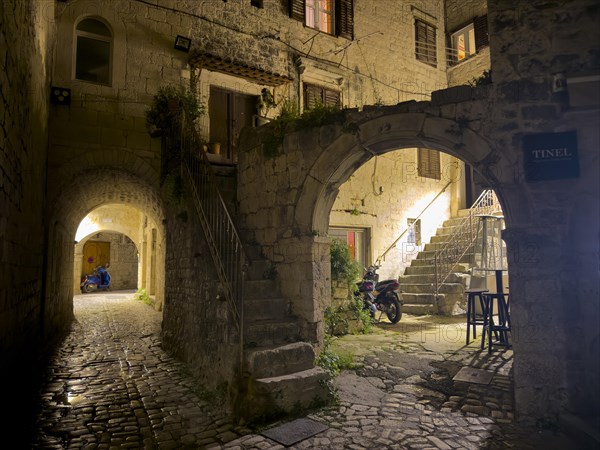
{"x": 383, "y": 194}
{"x": 552, "y": 245}
{"x": 198, "y": 325}
{"x": 27, "y": 322}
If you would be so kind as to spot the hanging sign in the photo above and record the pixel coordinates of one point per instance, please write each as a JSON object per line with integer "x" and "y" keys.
{"x": 550, "y": 156}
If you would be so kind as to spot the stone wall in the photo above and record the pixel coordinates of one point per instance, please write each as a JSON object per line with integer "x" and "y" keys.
{"x": 553, "y": 245}
{"x": 198, "y": 325}
{"x": 25, "y": 59}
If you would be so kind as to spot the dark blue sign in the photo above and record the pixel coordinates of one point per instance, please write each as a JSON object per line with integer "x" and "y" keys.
{"x": 550, "y": 156}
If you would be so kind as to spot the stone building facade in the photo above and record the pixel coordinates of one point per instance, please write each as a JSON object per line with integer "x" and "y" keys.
{"x": 89, "y": 146}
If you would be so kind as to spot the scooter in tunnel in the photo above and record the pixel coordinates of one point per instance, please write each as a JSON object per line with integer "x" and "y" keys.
{"x": 97, "y": 281}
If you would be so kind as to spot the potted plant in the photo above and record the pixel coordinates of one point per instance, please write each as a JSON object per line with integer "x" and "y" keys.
{"x": 167, "y": 105}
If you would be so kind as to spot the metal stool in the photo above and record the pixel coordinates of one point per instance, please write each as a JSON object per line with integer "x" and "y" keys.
{"x": 472, "y": 318}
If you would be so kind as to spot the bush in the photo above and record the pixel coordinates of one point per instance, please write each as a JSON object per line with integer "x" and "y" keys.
{"x": 343, "y": 267}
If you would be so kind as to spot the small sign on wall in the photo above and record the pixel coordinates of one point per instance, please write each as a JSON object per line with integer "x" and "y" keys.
{"x": 550, "y": 156}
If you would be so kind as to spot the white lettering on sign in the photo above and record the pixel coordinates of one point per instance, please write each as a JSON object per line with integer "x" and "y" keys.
{"x": 552, "y": 153}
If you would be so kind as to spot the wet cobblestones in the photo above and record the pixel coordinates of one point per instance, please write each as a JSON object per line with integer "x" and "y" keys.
{"x": 111, "y": 386}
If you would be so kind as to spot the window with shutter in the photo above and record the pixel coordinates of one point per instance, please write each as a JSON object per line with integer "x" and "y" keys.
{"x": 481, "y": 32}
{"x": 429, "y": 165}
{"x": 425, "y": 43}
{"x": 316, "y": 95}
{"x": 330, "y": 16}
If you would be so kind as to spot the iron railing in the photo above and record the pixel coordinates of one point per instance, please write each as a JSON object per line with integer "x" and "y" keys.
{"x": 448, "y": 255}
{"x": 228, "y": 254}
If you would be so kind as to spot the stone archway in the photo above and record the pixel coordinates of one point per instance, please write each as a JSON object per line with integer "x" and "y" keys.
{"x": 285, "y": 200}
{"x": 81, "y": 194}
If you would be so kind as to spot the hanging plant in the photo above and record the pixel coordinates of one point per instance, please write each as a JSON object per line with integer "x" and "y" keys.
{"x": 167, "y": 106}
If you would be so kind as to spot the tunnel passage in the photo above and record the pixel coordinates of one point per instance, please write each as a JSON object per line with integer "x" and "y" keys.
{"x": 110, "y": 193}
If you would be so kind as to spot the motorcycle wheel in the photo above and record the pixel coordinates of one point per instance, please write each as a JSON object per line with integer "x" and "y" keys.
{"x": 87, "y": 288}
{"x": 393, "y": 308}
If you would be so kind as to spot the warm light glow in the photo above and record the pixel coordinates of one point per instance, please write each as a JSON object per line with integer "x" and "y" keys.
{"x": 86, "y": 227}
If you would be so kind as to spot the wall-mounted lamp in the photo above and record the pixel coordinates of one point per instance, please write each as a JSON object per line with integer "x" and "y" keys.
{"x": 182, "y": 43}
{"x": 60, "y": 96}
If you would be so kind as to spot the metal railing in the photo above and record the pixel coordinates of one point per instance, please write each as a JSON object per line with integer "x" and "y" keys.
{"x": 463, "y": 238}
{"x": 382, "y": 256}
{"x": 223, "y": 239}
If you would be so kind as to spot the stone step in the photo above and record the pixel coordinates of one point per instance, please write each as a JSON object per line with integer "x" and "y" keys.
{"x": 418, "y": 310}
{"x": 280, "y": 360}
{"x": 260, "y": 269}
{"x": 411, "y": 298}
{"x": 422, "y": 269}
{"x": 290, "y": 392}
{"x": 261, "y": 289}
{"x": 265, "y": 309}
{"x": 422, "y": 278}
{"x": 440, "y": 238}
{"x": 428, "y": 288}
{"x": 264, "y": 333}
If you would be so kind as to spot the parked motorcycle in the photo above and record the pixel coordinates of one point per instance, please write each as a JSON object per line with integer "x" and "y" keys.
{"x": 97, "y": 281}
{"x": 380, "y": 296}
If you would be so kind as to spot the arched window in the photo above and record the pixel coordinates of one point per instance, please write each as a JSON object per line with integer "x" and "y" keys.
{"x": 93, "y": 51}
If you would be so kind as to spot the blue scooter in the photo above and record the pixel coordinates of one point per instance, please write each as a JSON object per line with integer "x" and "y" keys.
{"x": 98, "y": 281}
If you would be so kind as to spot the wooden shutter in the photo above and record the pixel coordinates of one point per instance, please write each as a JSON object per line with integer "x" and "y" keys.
{"x": 345, "y": 18}
{"x": 297, "y": 10}
{"x": 425, "y": 43}
{"x": 312, "y": 96}
{"x": 331, "y": 98}
{"x": 480, "y": 24}
{"x": 429, "y": 163}
{"x": 316, "y": 95}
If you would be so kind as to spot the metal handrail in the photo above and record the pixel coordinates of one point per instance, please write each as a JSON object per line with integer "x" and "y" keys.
{"x": 228, "y": 254}
{"x": 463, "y": 238}
{"x": 382, "y": 256}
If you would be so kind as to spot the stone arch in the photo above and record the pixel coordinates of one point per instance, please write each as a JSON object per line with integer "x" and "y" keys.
{"x": 78, "y": 196}
{"x": 340, "y": 159}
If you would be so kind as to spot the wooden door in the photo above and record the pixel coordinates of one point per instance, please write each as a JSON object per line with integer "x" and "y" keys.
{"x": 95, "y": 253}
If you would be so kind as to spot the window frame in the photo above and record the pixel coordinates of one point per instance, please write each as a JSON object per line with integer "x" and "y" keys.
{"x": 425, "y": 44}
{"x": 343, "y": 17}
{"x": 97, "y": 37}
{"x": 319, "y": 11}
{"x": 429, "y": 163}
{"x": 478, "y": 38}
{"x": 324, "y": 91}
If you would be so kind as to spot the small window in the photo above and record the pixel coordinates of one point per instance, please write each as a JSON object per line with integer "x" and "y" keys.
{"x": 429, "y": 165}
{"x": 316, "y": 95}
{"x": 425, "y": 43}
{"x": 334, "y": 17}
{"x": 463, "y": 43}
{"x": 469, "y": 40}
{"x": 93, "y": 52}
{"x": 319, "y": 15}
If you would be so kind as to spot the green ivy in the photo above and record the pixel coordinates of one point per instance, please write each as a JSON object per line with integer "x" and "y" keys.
{"x": 142, "y": 296}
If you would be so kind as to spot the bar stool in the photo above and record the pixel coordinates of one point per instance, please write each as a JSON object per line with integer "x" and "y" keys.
{"x": 502, "y": 328}
{"x": 473, "y": 319}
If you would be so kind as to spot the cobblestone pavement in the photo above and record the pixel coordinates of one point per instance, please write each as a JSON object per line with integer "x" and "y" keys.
{"x": 112, "y": 386}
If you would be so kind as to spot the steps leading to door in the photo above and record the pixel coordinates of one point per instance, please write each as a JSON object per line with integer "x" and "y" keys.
{"x": 418, "y": 282}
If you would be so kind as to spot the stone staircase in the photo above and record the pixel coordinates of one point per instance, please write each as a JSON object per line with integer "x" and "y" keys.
{"x": 278, "y": 376}
{"x": 418, "y": 282}
{"x": 279, "y": 369}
